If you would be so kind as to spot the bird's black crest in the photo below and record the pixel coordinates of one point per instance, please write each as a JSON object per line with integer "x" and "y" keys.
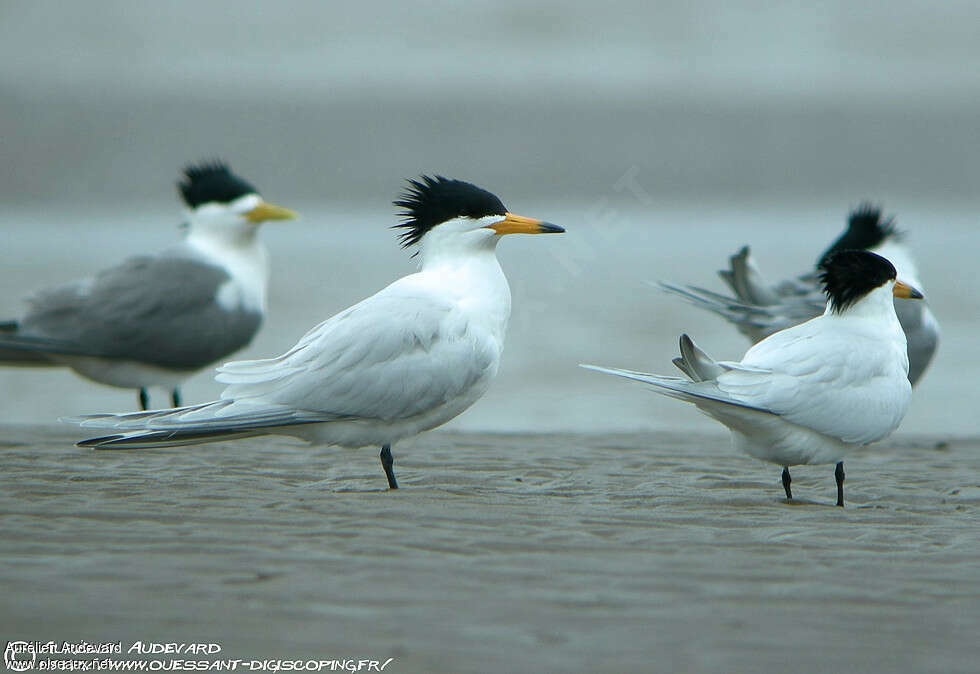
{"x": 866, "y": 228}
{"x": 212, "y": 182}
{"x": 431, "y": 201}
{"x": 849, "y": 275}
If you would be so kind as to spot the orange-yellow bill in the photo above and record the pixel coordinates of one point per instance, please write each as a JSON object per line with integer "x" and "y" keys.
{"x": 266, "y": 211}
{"x": 905, "y": 291}
{"x": 518, "y": 224}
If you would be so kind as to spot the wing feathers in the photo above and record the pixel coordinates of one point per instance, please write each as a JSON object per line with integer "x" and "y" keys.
{"x": 676, "y": 387}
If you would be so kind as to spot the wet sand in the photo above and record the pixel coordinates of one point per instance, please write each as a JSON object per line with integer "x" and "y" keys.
{"x": 624, "y": 552}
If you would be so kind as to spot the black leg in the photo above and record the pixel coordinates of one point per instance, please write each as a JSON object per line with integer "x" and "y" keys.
{"x": 786, "y": 481}
{"x": 175, "y": 397}
{"x": 144, "y": 399}
{"x": 839, "y": 476}
{"x": 388, "y": 463}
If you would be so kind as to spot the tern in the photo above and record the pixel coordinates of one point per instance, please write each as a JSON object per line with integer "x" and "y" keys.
{"x": 156, "y": 320}
{"x": 759, "y": 308}
{"x": 814, "y": 391}
{"x": 405, "y": 360}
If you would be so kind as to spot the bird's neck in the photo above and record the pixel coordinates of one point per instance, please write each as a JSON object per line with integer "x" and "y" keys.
{"x": 240, "y": 253}
{"x": 877, "y": 305}
{"x": 471, "y": 274}
{"x": 231, "y": 236}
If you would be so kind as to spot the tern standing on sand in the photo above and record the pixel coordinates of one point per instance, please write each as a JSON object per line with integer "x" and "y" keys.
{"x": 156, "y": 320}
{"x": 405, "y": 360}
{"x": 812, "y": 392}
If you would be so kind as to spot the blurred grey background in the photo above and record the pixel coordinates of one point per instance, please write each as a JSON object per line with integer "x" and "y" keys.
{"x": 102, "y": 100}
{"x": 662, "y": 135}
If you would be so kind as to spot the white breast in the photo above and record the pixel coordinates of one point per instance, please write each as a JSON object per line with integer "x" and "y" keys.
{"x": 248, "y": 267}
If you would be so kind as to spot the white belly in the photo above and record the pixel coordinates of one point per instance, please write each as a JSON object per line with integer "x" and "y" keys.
{"x": 376, "y": 433}
{"x": 771, "y": 438}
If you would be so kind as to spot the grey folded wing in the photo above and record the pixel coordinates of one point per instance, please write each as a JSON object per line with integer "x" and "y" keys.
{"x": 157, "y": 310}
{"x": 198, "y": 423}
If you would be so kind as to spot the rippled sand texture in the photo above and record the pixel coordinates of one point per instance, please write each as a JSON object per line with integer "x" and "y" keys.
{"x": 501, "y": 553}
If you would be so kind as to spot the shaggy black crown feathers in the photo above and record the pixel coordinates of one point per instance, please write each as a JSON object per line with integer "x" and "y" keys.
{"x": 212, "y": 182}
{"x": 866, "y": 228}
{"x": 849, "y": 275}
{"x": 430, "y": 201}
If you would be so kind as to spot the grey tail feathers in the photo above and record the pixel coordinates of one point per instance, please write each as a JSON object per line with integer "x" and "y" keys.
{"x": 18, "y": 357}
{"x": 11, "y": 354}
{"x": 746, "y": 281}
{"x": 695, "y": 363}
{"x": 700, "y": 387}
{"x": 728, "y": 307}
{"x": 149, "y": 439}
{"x": 208, "y": 422}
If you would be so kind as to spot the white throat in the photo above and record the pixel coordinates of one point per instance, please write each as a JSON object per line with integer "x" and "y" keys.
{"x": 879, "y": 305}
{"x": 449, "y": 246}
{"x": 464, "y": 266}
{"x": 239, "y": 252}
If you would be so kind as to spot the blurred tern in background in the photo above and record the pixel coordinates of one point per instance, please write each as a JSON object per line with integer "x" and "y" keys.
{"x": 405, "y": 360}
{"x": 760, "y": 309}
{"x": 156, "y": 320}
{"x": 812, "y": 392}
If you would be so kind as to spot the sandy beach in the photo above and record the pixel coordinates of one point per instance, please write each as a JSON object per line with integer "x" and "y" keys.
{"x": 576, "y": 553}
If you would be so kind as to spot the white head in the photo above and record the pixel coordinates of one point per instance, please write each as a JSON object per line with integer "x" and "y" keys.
{"x": 451, "y": 218}
{"x": 223, "y": 206}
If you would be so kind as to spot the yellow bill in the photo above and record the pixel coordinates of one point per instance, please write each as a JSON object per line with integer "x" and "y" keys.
{"x": 905, "y": 291}
{"x": 518, "y": 224}
{"x": 266, "y": 211}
